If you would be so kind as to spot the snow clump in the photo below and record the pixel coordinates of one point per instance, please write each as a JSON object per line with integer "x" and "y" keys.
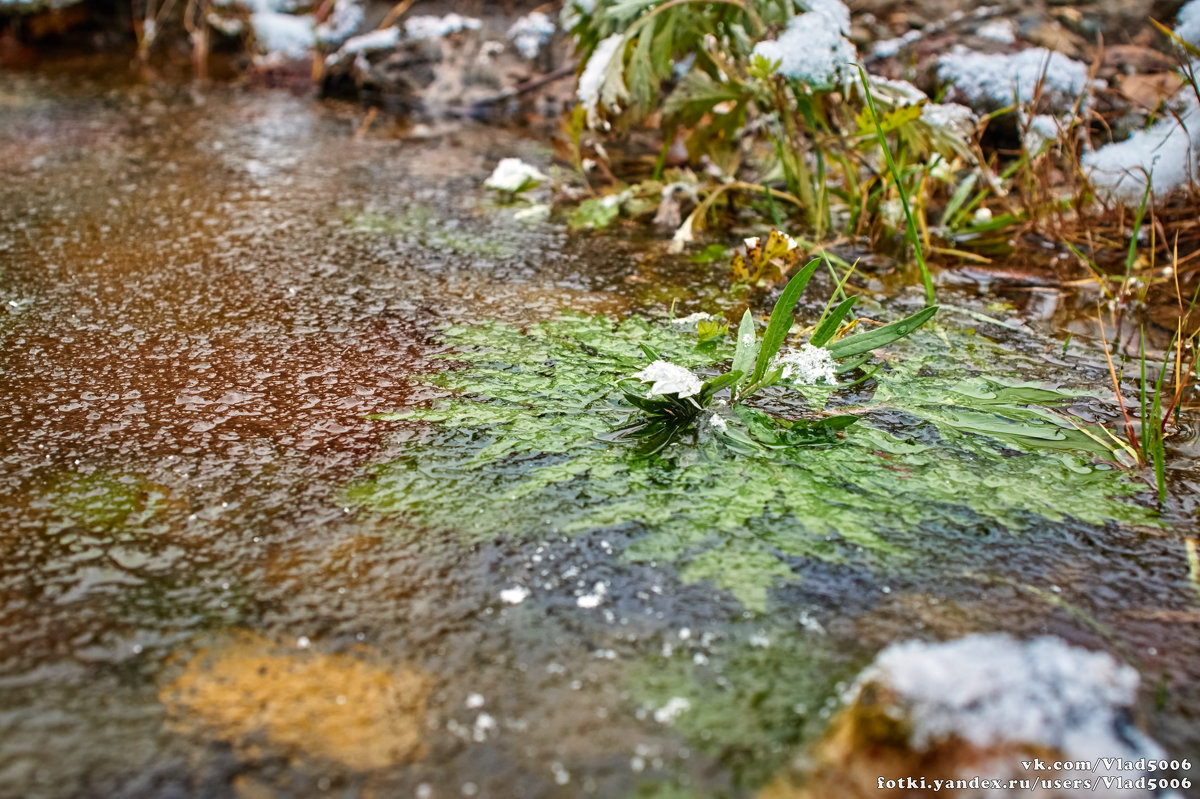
{"x": 1167, "y": 151}
{"x": 530, "y": 32}
{"x": 813, "y": 49}
{"x": 428, "y": 26}
{"x": 513, "y": 174}
{"x": 1189, "y": 23}
{"x": 990, "y": 689}
{"x": 670, "y": 378}
{"x": 283, "y": 35}
{"x": 342, "y": 22}
{"x": 808, "y": 365}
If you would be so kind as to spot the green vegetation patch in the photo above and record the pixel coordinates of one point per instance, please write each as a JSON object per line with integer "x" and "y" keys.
{"x": 518, "y": 448}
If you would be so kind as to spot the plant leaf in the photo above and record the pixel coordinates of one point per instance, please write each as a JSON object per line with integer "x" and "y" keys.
{"x": 747, "y": 345}
{"x": 781, "y": 319}
{"x": 829, "y": 327}
{"x": 874, "y": 339}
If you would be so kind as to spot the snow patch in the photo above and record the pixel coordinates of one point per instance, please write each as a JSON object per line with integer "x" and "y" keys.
{"x": 991, "y": 689}
{"x": 283, "y": 35}
{"x": 427, "y": 26}
{"x": 1189, "y": 23}
{"x": 342, "y": 22}
{"x": 813, "y": 49}
{"x": 1167, "y": 151}
{"x": 515, "y": 595}
{"x": 993, "y": 80}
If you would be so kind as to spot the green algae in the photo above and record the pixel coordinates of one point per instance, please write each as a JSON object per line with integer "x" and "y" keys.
{"x": 104, "y": 501}
{"x": 947, "y": 441}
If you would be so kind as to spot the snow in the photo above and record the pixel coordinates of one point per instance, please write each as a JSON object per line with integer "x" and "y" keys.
{"x": 992, "y": 80}
{"x": 1042, "y": 131}
{"x": 998, "y": 30}
{"x": 958, "y": 120}
{"x": 990, "y": 689}
{"x": 368, "y": 42}
{"x": 1189, "y": 23}
{"x": 283, "y": 35}
{"x": 515, "y": 595}
{"x": 343, "y": 21}
{"x": 671, "y": 710}
{"x": 530, "y": 32}
{"x": 432, "y": 27}
{"x": 1167, "y": 150}
{"x": 808, "y": 365}
{"x": 592, "y": 79}
{"x": 813, "y": 49}
{"x": 669, "y": 378}
{"x": 513, "y": 174}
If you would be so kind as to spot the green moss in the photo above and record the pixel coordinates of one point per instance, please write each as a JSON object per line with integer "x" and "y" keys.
{"x": 942, "y": 447}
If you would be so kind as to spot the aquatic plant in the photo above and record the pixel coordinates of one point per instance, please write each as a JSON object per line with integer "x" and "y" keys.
{"x": 677, "y": 398}
{"x": 518, "y": 448}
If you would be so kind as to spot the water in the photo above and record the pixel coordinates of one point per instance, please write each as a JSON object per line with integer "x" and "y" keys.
{"x": 207, "y": 292}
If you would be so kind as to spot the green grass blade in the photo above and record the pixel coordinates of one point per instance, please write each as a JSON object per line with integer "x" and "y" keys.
{"x": 829, "y": 327}
{"x": 865, "y": 342}
{"x": 781, "y": 319}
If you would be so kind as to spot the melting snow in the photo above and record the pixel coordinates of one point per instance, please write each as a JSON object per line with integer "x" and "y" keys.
{"x": 283, "y": 34}
{"x": 1189, "y": 23}
{"x": 669, "y": 378}
{"x": 347, "y": 15}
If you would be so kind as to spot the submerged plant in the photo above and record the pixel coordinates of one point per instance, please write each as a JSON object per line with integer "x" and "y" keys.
{"x": 677, "y": 399}
{"x": 946, "y": 445}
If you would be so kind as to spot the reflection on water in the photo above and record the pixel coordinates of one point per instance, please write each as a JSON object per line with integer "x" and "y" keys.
{"x": 205, "y": 295}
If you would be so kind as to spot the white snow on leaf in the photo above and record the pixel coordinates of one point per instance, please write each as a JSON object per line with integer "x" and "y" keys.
{"x": 808, "y": 365}
{"x": 591, "y": 82}
{"x": 513, "y": 174}
{"x": 670, "y": 378}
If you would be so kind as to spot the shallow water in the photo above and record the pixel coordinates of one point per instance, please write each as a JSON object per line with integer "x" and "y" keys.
{"x": 206, "y": 293}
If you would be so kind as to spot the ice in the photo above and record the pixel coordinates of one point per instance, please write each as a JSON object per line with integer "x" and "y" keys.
{"x": 669, "y": 378}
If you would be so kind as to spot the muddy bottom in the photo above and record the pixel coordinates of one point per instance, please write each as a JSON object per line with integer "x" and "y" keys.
{"x": 206, "y": 293}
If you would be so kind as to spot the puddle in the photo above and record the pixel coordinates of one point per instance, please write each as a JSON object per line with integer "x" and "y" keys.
{"x": 207, "y": 294}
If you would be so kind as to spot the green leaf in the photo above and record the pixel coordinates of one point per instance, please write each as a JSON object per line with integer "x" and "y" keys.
{"x": 598, "y": 212}
{"x": 829, "y": 327}
{"x": 747, "y": 345}
{"x": 874, "y": 339}
{"x": 696, "y": 95}
{"x": 781, "y": 319}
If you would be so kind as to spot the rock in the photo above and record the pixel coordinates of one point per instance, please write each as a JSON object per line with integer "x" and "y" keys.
{"x": 977, "y": 707}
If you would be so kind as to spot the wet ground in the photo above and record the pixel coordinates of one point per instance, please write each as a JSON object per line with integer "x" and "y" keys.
{"x": 206, "y": 293}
